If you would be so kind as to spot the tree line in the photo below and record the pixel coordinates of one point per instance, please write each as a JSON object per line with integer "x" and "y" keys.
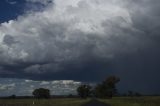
{"x": 106, "y": 89}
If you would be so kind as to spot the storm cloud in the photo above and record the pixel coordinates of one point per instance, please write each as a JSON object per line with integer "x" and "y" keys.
{"x": 74, "y": 38}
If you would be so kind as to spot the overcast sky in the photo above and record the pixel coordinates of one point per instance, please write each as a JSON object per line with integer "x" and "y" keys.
{"x": 81, "y": 41}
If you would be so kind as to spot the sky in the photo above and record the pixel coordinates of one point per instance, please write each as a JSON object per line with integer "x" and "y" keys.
{"x": 75, "y": 41}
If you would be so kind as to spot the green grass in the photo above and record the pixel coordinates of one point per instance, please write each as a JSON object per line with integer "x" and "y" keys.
{"x": 133, "y": 101}
{"x": 43, "y": 102}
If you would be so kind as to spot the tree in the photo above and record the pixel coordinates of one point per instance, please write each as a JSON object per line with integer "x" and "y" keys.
{"x": 137, "y": 94}
{"x": 84, "y": 91}
{"x": 41, "y": 93}
{"x": 12, "y": 96}
{"x": 107, "y": 88}
{"x": 130, "y": 93}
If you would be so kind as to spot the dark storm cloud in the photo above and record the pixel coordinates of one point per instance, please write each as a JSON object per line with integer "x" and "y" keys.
{"x": 84, "y": 40}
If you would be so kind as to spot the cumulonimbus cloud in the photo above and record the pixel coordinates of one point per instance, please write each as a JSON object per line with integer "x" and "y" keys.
{"x": 70, "y": 33}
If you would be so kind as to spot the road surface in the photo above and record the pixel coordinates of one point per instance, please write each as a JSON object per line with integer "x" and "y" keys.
{"x": 95, "y": 102}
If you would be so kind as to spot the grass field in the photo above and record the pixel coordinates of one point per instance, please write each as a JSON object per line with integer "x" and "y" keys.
{"x": 116, "y": 101}
{"x": 43, "y": 102}
{"x": 133, "y": 101}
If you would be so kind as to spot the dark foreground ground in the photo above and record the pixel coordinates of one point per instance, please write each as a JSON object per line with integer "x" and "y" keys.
{"x": 115, "y": 101}
{"x": 95, "y": 102}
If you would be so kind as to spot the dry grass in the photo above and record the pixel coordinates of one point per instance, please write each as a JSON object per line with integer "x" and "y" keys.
{"x": 133, "y": 101}
{"x": 43, "y": 102}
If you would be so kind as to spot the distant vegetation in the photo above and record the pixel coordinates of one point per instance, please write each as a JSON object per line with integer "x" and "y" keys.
{"x": 41, "y": 93}
{"x": 84, "y": 91}
{"x": 106, "y": 89}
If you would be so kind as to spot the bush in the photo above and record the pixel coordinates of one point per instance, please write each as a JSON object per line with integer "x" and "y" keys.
{"x": 41, "y": 93}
